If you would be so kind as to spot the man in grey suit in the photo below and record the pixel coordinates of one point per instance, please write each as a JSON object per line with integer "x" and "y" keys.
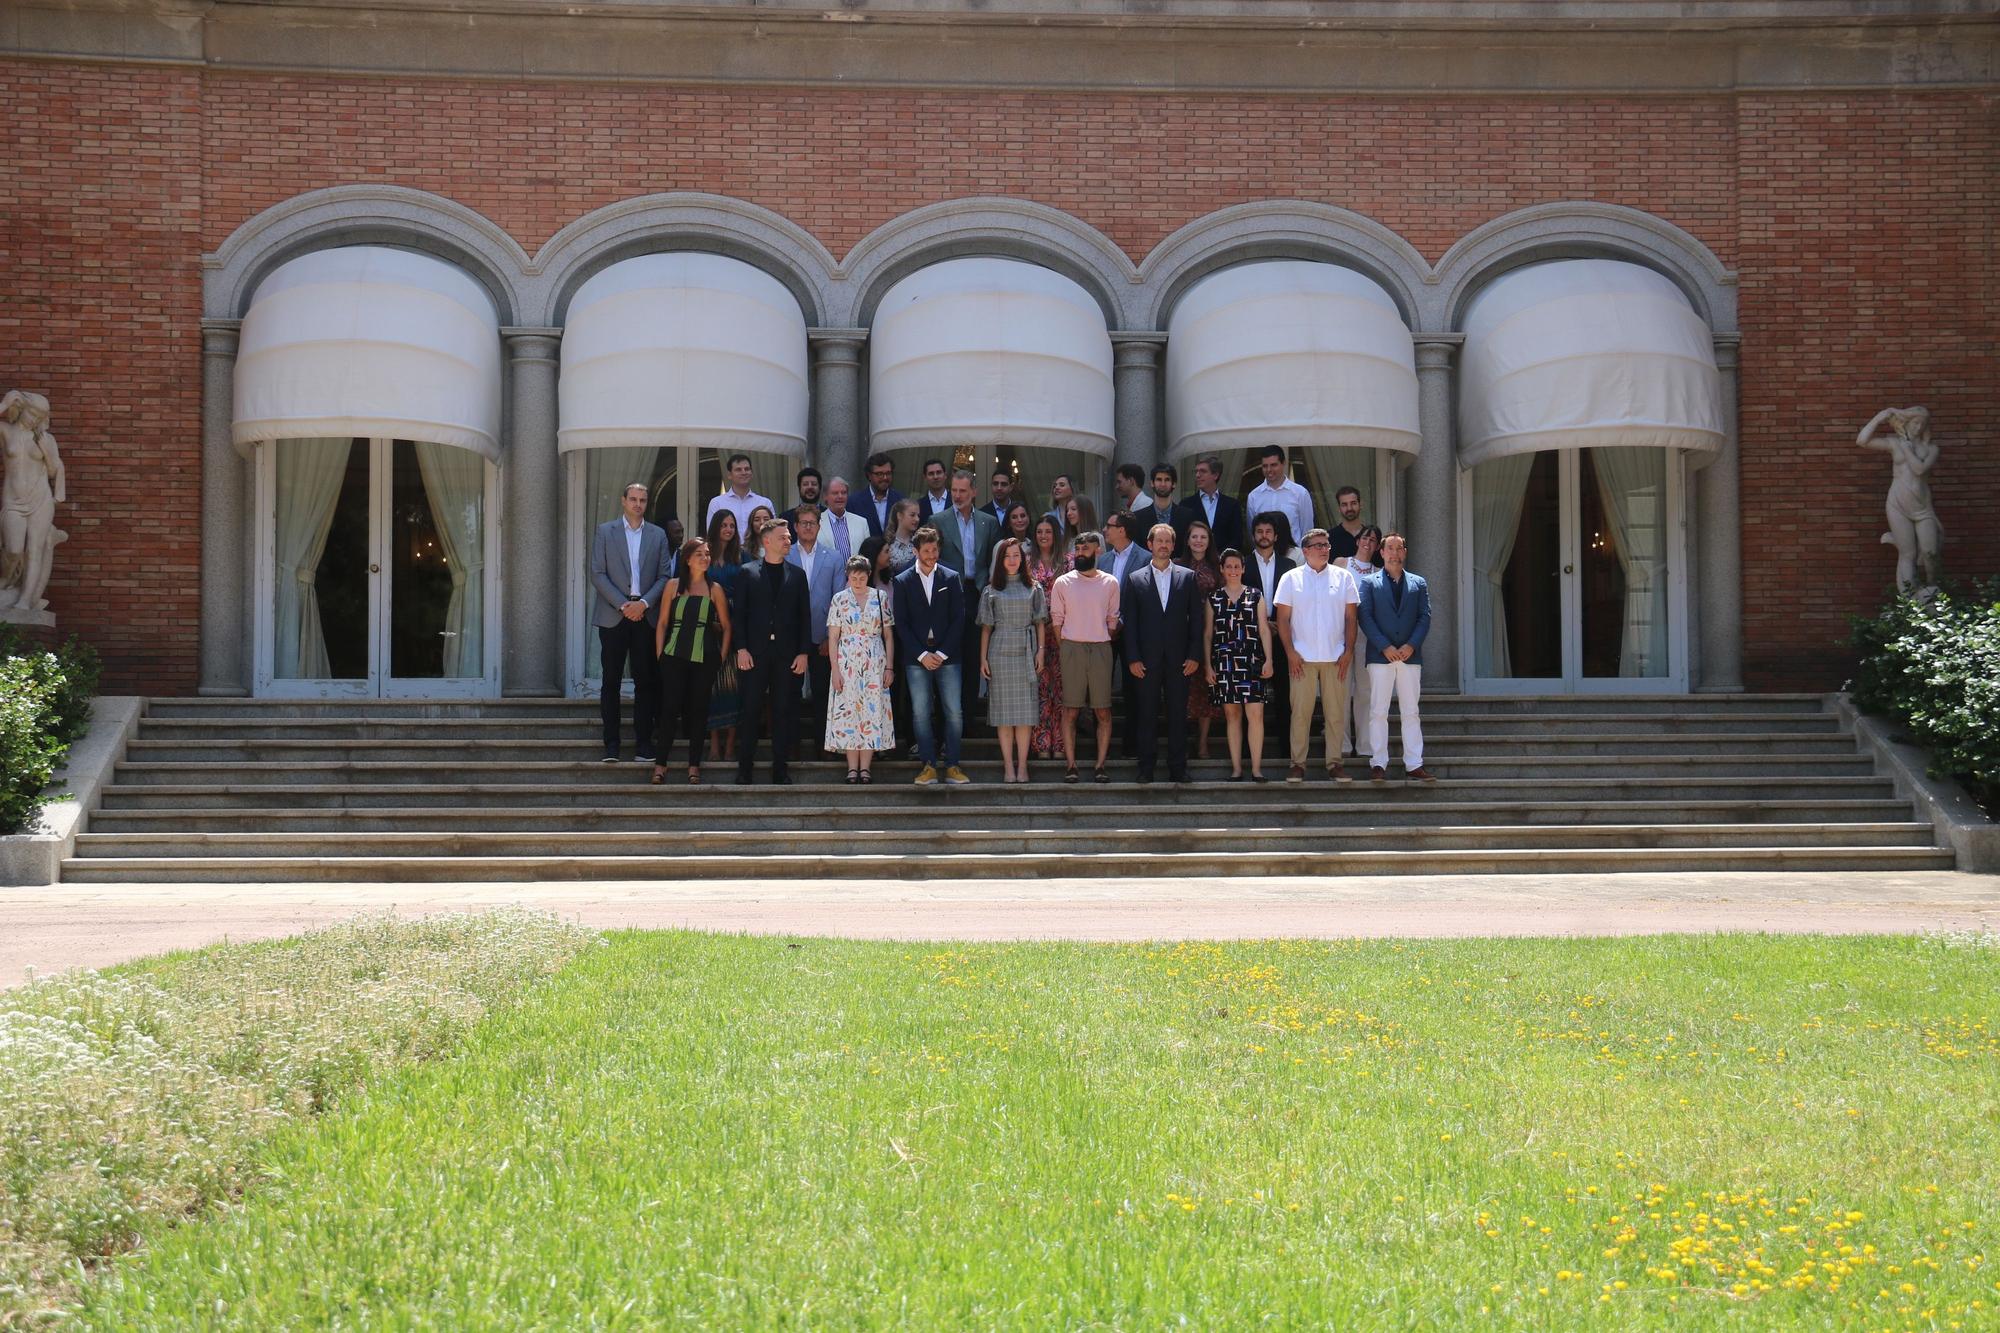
{"x": 966, "y": 538}
{"x": 628, "y": 572}
{"x": 825, "y": 575}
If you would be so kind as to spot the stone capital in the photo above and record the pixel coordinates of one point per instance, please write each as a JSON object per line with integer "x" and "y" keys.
{"x": 1435, "y": 351}
{"x": 219, "y": 337}
{"x": 531, "y": 344}
{"x": 1728, "y": 350}
{"x": 1137, "y": 348}
{"x": 836, "y": 346}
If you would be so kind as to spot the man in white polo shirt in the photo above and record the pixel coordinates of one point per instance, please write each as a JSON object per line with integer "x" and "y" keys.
{"x": 1317, "y": 608}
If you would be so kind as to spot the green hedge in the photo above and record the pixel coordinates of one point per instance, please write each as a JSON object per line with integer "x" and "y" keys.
{"x": 1933, "y": 663}
{"x": 44, "y": 705}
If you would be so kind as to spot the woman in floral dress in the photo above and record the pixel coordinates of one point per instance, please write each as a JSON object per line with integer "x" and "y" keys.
{"x": 1201, "y": 710}
{"x": 861, "y": 639}
{"x": 1047, "y": 562}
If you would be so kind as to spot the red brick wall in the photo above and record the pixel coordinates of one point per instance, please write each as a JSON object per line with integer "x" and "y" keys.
{"x": 1805, "y": 173}
{"x": 1870, "y": 269}
{"x": 100, "y": 245}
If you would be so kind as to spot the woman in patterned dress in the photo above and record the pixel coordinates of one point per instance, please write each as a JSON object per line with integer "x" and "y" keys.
{"x": 1046, "y": 564}
{"x": 1012, "y": 613}
{"x": 1201, "y": 710}
{"x": 861, "y": 640}
{"x": 1239, "y": 663}
{"x": 725, "y": 570}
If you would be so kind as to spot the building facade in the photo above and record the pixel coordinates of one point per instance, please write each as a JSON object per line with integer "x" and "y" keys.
{"x": 354, "y": 319}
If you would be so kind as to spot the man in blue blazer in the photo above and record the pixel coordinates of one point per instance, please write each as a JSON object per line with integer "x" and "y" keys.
{"x": 825, "y": 573}
{"x": 1165, "y": 621}
{"x": 628, "y": 572}
{"x": 881, "y": 495}
{"x": 929, "y": 602}
{"x": 1394, "y": 617}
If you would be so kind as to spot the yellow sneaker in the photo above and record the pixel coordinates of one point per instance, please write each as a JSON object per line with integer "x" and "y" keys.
{"x": 927, "y": 776}
{"x": 955, "y": 776}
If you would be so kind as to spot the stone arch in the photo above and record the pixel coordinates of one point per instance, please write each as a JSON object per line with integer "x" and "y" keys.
{"x": 1584, "y": 230}
{"x": 683, "y": 220}
{"x": 1011, "y": 228}
{"x": 1282, "y": 229}
{"x": 364, "y": 215}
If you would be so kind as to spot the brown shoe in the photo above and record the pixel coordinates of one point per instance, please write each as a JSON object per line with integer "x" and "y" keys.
{"x": 1339, "y": 774}
{"x": 1420, "y": 774}
{"x": 1296, "y": 773}
{"x": 1378, "y": 775}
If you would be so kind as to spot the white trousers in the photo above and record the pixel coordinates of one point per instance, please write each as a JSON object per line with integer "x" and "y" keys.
{"x": 1403, "y": 680}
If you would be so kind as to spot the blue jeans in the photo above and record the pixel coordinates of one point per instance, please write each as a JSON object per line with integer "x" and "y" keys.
{"x": 943, "y": 684}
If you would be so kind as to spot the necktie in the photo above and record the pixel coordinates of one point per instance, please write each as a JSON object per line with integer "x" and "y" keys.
{"x": 840, "y": 534}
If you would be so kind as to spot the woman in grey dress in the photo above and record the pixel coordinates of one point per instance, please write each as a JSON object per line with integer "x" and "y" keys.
{"x": 1012, "y": 613}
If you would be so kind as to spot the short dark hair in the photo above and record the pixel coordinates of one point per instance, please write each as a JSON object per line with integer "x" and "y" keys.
{"x": 734, "y": 459}
{"x": 1003, "y": 471}
{"x": 1276, "y": 451}
{"x": 930, "y": 463}
{"x": 1124, "y": 522}
{"x": 860, "y": 564}
{"x": 1230, "y": 553}
{"x": 1167, "y": 468}
{"x": 1132, "y": 472}
{"x": 812, "y": 472}
{"x": 925, "y": 536}
{"x": 1354, "y": 491}
{"x": 880, "y": 460}
{"x": 1281, "y": 527}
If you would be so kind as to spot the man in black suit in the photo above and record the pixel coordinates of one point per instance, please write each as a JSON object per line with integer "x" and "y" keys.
{"x": 774, "y": 631}
{"x": 881, "y": 495}
{"x": 809, "y": 483}
{"x": 999, "y": 495}
{"x": 1161, "y": 508}
{"x": 1223, "y": 515}
{"x": 937, "y": 490}
{"x": 929, "y": 602}
{"x": 1165, "y": 621}
{"x": 1270, "y": 538}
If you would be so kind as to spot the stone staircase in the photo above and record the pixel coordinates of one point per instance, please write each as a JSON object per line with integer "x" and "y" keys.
{"x": 235, "y": 790}
{"x": 511, "y": 791}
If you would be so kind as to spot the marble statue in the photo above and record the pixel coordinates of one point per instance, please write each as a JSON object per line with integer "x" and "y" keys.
{"x": 29, "y": 493}
{"x": 1913, "y": 525}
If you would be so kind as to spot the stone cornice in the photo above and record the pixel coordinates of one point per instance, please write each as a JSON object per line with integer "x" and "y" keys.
{"x": 1428, "y": 47}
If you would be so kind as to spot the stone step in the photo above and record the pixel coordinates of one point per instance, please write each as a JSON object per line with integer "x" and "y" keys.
{"x": 191, "y": 751}
{"x": 1511, "y": 765}
{"x": 1138, "y": 840}
{"x": 670, "y": 814}
{"x": 625, "y": 786}
{"x": 585, "y": 730}
{"x": 999, "y": 865}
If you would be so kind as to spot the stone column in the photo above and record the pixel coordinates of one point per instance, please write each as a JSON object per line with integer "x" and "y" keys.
{"x": 533, "y": 561}
{"x": 1135, "y": 381}
{"x": 1433, "y": 507}
{"x": 228, "y": 526}
{"x": 839, "y": 436}
{"x": 1717, "y": 548}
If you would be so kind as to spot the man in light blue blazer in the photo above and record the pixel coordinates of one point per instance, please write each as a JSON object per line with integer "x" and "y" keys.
{"x": 628, "y": 572}
{"x": 1395, "y": 616}
{"x": 825, "y": 576}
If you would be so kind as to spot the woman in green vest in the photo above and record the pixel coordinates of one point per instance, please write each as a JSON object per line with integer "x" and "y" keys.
{"x": 692, "y": 638}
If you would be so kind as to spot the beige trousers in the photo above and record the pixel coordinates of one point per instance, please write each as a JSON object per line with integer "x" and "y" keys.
{"x": 1322, "y": 683}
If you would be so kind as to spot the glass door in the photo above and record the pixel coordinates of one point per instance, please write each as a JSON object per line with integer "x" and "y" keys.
{"x": 1574, "y": 578}
{"x": 373, "y": 577}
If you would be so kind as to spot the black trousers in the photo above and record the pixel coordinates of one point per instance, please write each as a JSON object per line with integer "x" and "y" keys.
{"x": 812, "y": 712}
{"x": 777, "y": 686}
{"x": 685, "y": 688}
{"x": 1166, "y": 690}
{"x": 968, "y": 680}
{"x": 628, "y": 640}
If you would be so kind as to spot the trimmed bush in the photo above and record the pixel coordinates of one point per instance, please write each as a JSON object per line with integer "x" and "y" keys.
{"x": 44, "y": 705}
{"x": 1933, "y": 664}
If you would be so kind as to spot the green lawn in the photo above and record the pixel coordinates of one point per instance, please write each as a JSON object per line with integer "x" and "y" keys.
{"x": 682, "y": 1129}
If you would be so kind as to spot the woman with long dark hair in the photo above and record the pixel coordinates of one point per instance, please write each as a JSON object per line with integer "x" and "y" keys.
{"x": 1201, "y": 710}
{"x": 1012, "y": 613}
{"x": 725, "y": 568}
{"x": 1237, "y": 665}
{"x": 692, "y": 639}
{"x": 1047, "y": 562}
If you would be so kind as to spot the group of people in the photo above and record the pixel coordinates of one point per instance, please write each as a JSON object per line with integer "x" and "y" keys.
{"x": 1179, "y": 611}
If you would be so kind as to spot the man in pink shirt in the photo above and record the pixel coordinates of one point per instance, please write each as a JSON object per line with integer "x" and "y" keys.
{"x": 1083, "y": 608}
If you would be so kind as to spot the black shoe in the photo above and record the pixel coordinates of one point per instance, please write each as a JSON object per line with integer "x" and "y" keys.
{"x": 781, "y": 778}
{"x": 610, "y": 757}
{"x": 1184, "y": 779}
{"x": 744, "y": 777}
{"x": 1145, "y": 777}
{"x": 644, "y": 758}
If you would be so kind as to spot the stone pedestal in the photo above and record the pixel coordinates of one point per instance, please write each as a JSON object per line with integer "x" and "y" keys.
{"x": 1433, "y": 507}
{"x": 532, "y": 557}
{"x": 839, "y": 442}
{"x": 1135, "y": 380}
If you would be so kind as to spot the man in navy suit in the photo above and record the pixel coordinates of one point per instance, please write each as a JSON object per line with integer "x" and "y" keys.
{"x": 628, "y": 572}
{"x": 929, "y": 604}
{"x": 881, "y": 496}
{"x": 1223, "y": 515}
{"x": 1165, "y": 622}
{"x": 1394, "y": 617}
{"x": 774, "y": 630}
{"x": 815, "y": 557}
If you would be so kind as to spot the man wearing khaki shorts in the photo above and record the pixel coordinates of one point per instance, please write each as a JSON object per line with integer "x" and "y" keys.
{"x": 1083, "y": 608}
{"x": 1318, "y": 604}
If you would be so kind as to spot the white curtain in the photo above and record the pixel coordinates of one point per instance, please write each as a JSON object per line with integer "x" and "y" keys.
{"x": 1327, "y": 470}
{"x": 455, "y": 483}
{"x": 1499, "y": 489}
{"x": 310, "y": 475}
{"x": 1632, "y": 483}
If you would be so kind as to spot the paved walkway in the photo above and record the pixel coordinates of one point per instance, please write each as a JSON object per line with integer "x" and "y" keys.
{"x": 95, "y": 925}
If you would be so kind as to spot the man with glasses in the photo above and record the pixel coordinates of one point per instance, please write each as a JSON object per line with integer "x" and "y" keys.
{"x": 1318, "y": 605}
{"x": 882, "y": 493}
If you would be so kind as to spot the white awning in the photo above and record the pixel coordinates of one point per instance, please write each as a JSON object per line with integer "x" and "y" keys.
{"x": 364, "y": 340}
{"x": 1585, "y": 353}
{"x": 976, "y": 352}
{"x": 684, "y": 349}
{"x": 1289, "y": 352}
